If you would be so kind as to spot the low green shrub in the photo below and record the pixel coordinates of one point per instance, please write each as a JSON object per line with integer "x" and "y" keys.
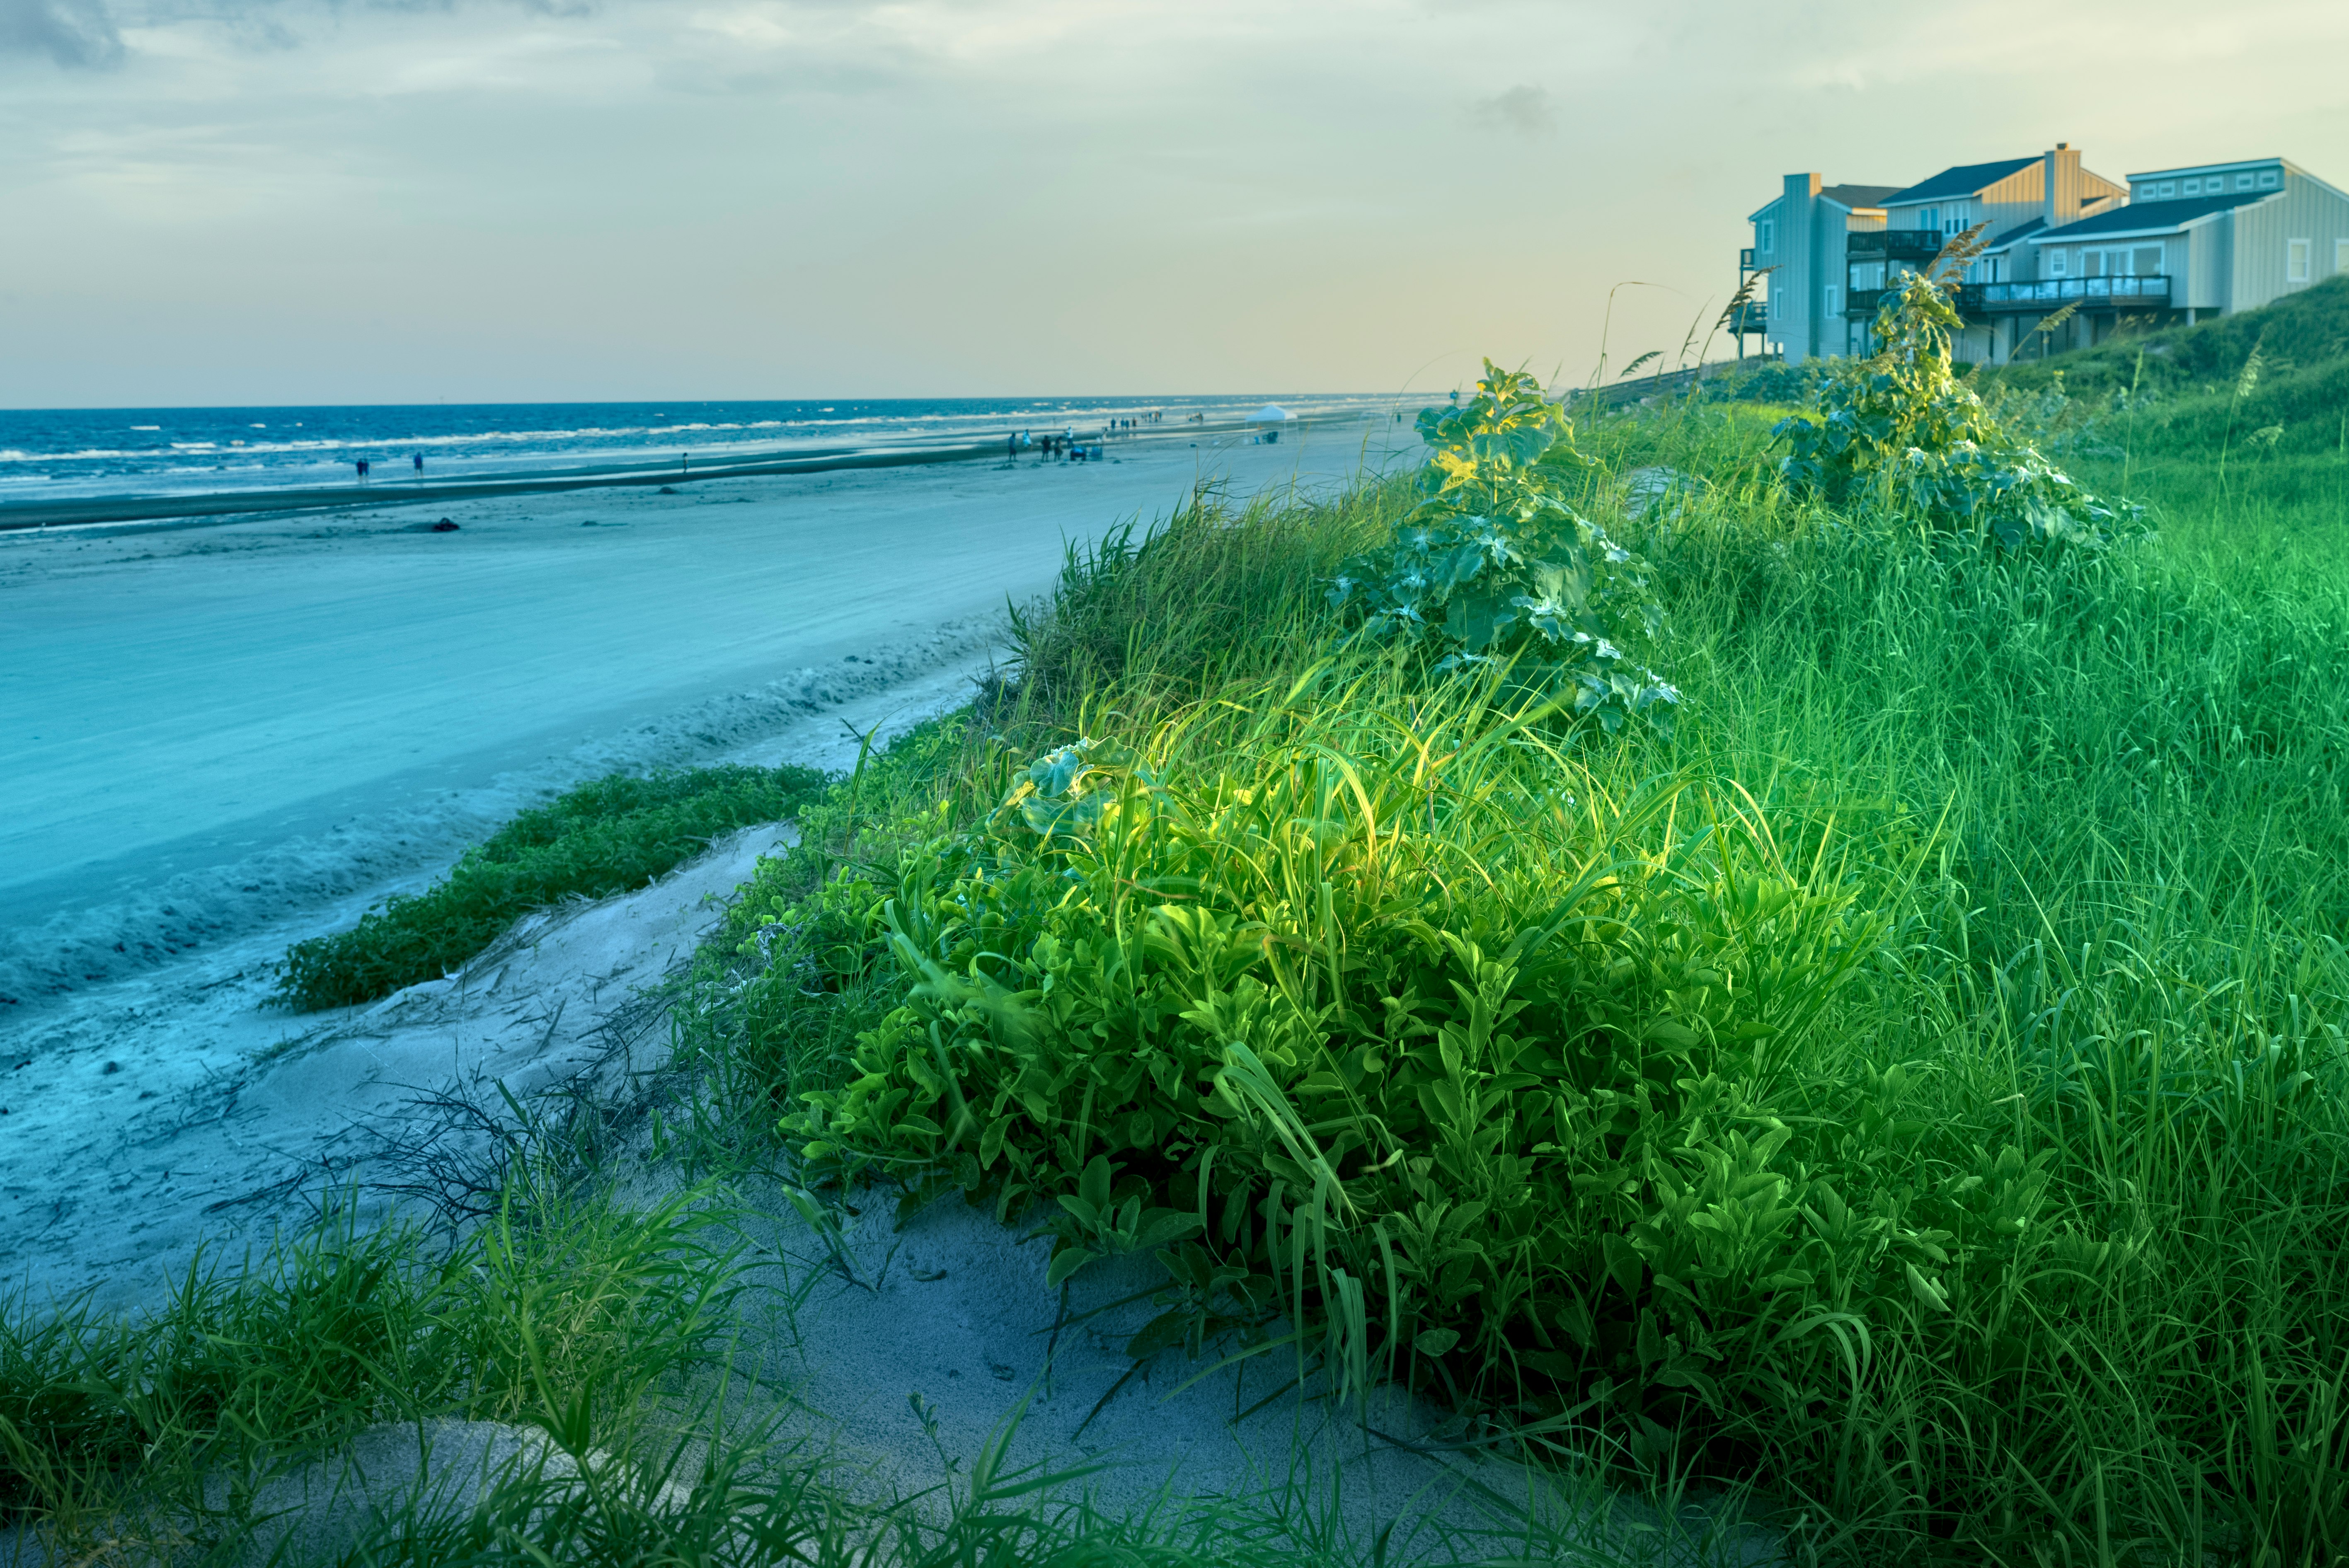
{"x": 597, "y": 839}
{"x": 1901, "y": 432}
{"x": 1492, "y": 566}
{"x": 1382, "y": 1020}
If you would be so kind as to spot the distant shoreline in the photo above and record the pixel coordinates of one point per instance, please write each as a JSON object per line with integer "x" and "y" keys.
{"x": 35, "y": 517}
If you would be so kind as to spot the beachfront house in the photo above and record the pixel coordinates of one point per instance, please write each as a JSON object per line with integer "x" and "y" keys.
{"x": 1838, "y": 248}
{"x": 2171, "y": 244}
{"x": 2190, "y": 244}
{"x": 2013, "y": 200}
{"x": 1802, "y": 240}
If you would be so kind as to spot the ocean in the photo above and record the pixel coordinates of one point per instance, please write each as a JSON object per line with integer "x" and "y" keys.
{"x": 59, "y": 454}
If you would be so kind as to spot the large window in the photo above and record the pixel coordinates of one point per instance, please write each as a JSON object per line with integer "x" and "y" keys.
{"x": 1866, "y": 276}
{"x": 2146, "y": 261}
{"x": 2295, "y": 261}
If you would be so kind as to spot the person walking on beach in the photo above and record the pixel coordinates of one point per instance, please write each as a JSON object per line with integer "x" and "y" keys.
{"x": 363, "y": 470}
{"x": 419, "y": 465}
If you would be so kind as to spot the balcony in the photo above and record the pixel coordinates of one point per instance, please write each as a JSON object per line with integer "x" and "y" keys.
{"x": 1894, "y": 244}
{"x": 1745, "y": 260}
{"x": 2053, "y": 294}
{"x": 1754, "y": 316}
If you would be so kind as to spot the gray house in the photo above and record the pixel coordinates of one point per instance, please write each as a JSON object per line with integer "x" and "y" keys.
{"x": 1802, "y": 240}
{"x": 2190, "y": 242}
{"x": 1838, "y": 248}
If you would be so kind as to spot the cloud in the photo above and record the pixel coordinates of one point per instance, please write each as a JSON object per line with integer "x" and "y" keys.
{"x": 71, "y": 32}
{"x": 1525, "y": 110}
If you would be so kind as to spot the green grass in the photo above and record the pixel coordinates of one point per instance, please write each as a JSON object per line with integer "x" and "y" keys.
{"x": 600, "y": 838}
{"x": 2074, "y": 823}
{"x": 2186, "y": 377}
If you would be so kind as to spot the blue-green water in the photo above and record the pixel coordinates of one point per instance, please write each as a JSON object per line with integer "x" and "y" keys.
{"x": 53, "y": 454}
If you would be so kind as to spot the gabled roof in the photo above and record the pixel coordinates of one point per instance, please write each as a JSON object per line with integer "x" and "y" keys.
{"x": 1963, "y": 180}
{"x": 1844, "y": 195}
{"x": 2152, "y": 217}
{"x": 1858, "y": 195}
{"x": 2022, "y": 231}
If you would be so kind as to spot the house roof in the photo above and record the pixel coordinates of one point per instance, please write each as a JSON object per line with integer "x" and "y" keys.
{"x": 1962, "y": 181}
{"x": 2022, "y": 231}
{"x": 1858, "y": 195}
{"x": 1844, "y": 195}
{"x": 2152, "y": 217}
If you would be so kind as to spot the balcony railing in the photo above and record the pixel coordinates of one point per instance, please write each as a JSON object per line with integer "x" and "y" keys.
{"x": 2047, "y": 294}
{"x": 1754, "y": 316}
{"x": 2052, "y": 294}
{"x": 1910, "y": 244}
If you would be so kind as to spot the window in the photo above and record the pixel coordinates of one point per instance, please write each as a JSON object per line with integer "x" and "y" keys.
{"x": 2192, "y": 188}
{"x": 2169, "y": 188}
{"x": 2054, "y": 263}
{"x": 1930, "y": 218}
{"x": 1769, "y": 237}
{"x": 2092, "y": 264}
{"x": 2243, "y": 181}
{"x": 2146, "y": 261}
{"x": 2340, "y": 255}
{"x": 2295, "y": 261}
{"x": 2270, "y": 178}
{"x": 1866, "y": 276}
{"x": 1833, "y": 308}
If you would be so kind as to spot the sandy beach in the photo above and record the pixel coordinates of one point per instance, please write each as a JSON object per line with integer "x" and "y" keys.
{"x": 211, "y": 728}
{"x": 227, "y": 739}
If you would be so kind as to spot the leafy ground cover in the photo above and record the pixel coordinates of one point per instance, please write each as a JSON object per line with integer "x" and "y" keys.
{"x": 600, "y": 838}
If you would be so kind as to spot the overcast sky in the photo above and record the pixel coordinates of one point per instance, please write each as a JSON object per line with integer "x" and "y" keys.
{"x": 220, "y": 202}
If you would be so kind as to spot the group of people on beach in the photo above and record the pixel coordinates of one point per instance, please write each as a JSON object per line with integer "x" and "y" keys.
{"x": 1069, "y": 449}
{"x": 1064, "y": 446}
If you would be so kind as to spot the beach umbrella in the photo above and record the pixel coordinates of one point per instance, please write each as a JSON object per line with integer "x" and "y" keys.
{"x": 1270, "y": 412}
